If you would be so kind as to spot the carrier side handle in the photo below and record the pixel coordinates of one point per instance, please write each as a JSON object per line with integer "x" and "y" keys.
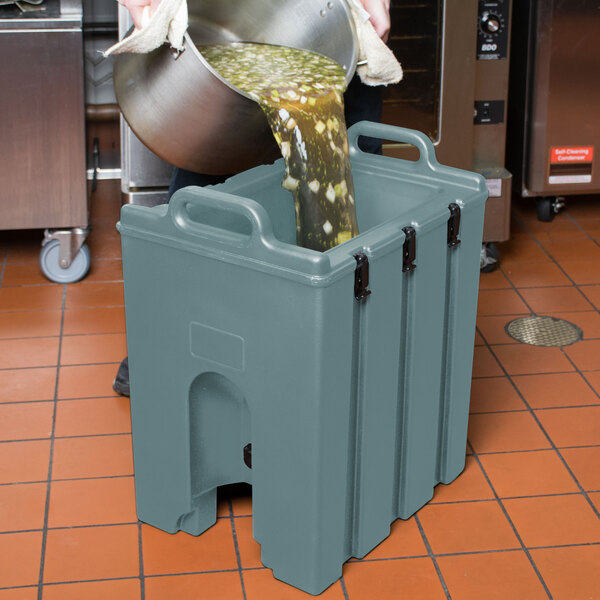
{"x": 427, "y": 160}
{"x": 214, "y": 219}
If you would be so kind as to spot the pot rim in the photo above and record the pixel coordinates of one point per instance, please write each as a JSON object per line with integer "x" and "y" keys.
{"x": 189, "y": 43}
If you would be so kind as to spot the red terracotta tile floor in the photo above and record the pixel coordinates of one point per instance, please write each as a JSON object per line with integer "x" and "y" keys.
{"x": 522, "y": 522}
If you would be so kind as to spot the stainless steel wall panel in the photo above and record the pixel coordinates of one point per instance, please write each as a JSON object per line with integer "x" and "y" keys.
{"x": 42, "y": 146}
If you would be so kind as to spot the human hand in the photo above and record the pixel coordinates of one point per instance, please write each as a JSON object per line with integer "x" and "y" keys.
{"x": 136, "y": 9}
{"x": 380, "y": 16}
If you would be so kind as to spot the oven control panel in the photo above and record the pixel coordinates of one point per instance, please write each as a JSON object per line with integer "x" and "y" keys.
{"x": 492, "y": 31}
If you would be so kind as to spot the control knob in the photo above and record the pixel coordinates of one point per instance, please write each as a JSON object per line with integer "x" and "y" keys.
{"x": 490, "y": 23}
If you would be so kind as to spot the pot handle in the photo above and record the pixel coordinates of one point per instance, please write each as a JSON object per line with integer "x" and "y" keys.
{"x": 427, "y": 159}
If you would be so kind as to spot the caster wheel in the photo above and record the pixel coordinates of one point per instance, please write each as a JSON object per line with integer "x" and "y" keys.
{"x": 489, "y": 257}
{"x": 49, "y": 263}
{"x": 547, "y": 208}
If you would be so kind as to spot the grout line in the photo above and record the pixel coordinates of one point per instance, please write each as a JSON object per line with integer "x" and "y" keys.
{"x": 555, "y": 547}
{"x": 565, "y": 354}
{"x": 67, "y": 479}
{"x": 69, "y": 308}
{"x": 431, "y": 502}
{"x": 32, "y": 285}
{"x": 78, "y": 399}
{"x": 3, "y": 267}
{"x": 527, "y": 404}
{"x": 432, "y": 556}
{"x": 96, "y": 307}
{"x": 65, "y": 437}
{"x": 525, "y": 374}
{"x": 537, "y": 449}
{"x": 157, "y": 576}
{"x": 344, "y": 590}
{"x": 475, "y": 552}
{"x": 546, "y": 434}
{"x": 94, "y": 282}
{"x": 237, "y": 548}
{"x": 581, "y": 228}
{"x": 516, "y": 343}
{"x": 513, "y": 497}
{"x": 74, "y": 527}
{"x": 100, "y": 364}
{"x": 56, "y": 366}
{"x": 541, "y": 408}
{"x": 507, "y": 516}
{"x": 579, "y": 372}
{"x": 51, "y": 454}
{"x": 558, "y": 452}
{"x": 555, "y": 261}
{"x": 582, "y": 374}
{"x": 235, "y": 570}
{"x": 70, "y": 335}
{"x": 53, "y": 583}
{"x": 142, "y": 577}
{"x": 541, "y": 246}
{"x": 563, "y": 286}
{"x": 92, "y": 525}
{"x": 129, "y": 432}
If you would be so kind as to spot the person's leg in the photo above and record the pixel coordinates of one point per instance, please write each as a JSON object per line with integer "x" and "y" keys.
{"x": 121, "y": 381}
{"x": 180, "y": 179}
{"x": 364, "y": 103}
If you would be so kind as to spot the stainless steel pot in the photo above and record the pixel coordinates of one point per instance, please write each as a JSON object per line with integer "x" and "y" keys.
{"x": 192, "y": 118}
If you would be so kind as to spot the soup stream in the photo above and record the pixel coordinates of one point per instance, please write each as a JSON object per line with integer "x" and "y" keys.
{"x": 301, "y": 94}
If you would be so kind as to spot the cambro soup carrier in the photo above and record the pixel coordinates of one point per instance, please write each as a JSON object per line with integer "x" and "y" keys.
{"x": 336, "y": 383}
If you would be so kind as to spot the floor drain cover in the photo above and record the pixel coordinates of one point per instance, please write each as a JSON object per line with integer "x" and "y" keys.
{"x": 544, "y": 331}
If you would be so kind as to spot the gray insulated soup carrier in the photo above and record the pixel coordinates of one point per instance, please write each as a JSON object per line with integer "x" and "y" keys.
{"x": 336, "y": 383}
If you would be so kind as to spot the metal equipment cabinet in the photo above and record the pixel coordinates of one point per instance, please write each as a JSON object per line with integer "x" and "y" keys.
{"x": 42, "y": 146}
{"x": 554, "y": 124}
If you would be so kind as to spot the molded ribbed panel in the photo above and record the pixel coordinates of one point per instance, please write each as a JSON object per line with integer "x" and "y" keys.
{"x": 355, "y": 410}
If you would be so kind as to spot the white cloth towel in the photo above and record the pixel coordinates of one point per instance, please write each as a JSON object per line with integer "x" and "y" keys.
{"x": 377, "y": 63}
{"x": 168, "y": 23}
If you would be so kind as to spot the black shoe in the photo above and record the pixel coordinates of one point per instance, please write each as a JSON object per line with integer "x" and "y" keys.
{"x": 121, "y": 382}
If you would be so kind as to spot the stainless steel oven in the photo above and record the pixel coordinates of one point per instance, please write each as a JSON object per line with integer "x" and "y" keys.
{"x": 435, "y": 42}
{"x": 455, "y": 55}
{"x": 554, "y": 129}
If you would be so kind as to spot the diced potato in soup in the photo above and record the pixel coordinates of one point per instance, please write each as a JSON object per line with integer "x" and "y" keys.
{"x": 301, "y": 95}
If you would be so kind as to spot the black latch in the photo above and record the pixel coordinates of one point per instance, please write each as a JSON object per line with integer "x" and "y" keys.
{"x": 361, "y": 277}
{"x": 248, "y": 455}
{"x": 410, "y": 249}
{"x": 453, "y": 225}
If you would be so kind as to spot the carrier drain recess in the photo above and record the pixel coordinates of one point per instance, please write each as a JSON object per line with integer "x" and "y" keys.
{"x": 544, "y": 331}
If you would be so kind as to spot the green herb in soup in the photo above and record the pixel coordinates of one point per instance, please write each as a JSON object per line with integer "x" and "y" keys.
{"x": 301, "y": 95}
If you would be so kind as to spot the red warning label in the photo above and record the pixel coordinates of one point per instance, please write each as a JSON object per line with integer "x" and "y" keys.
{"x": 574, "y": 154}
